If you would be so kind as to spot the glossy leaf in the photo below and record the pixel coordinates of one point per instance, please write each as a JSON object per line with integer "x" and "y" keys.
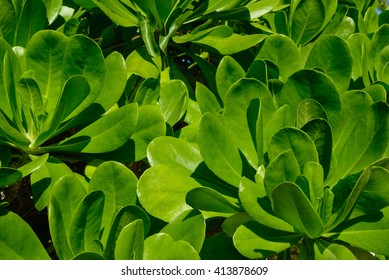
{"x": 129, "y": 245}
{"x": 219, "y": 150}
{"x": 307, "y": 20}
{"x": 118, "y": 184}
{"x": 161, "y": 246}
{"x": 125, "y": 216}
{"x": 336, "y": 64}
{"x": 189, "y": 227}
{"x": 207, "y": 100}
{"x": 208, "y": 199}
{"x": 106, "y": 134}
{"x": 256, "y": 241}
{"x": 228, "y": 72}
{"x": 325, "y": 250}
{"x": 243, "y": 126}
{"x": 86, "y": 223}
{"x": 257, "y": 204}
{"x": 299, "y": 142}
{"x": 174, "y": 152}
{"x": 169, "y": 187}
{"x": 282, "y": 51}
{"x": 17, "y": 240}
{"x": 296, "y": 210}
{"x": 308, "y": 110}
{"x": 66, "y": 195}
{"x": 368, "y": 232}
{"x": 9, "y": 176}
{"x": 311, "y": 84}
{"x": 44, "y": 178}
{"x": 173, "y": 100}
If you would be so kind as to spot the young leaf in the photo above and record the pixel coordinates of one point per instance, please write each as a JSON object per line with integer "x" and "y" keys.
{"x": 173, "y": 100}
{"x": 17, "y": 240}
{"x": 207, "y": 100}
{"x": 325, "y": 250}
{"x": 129, "y": 244}
{"x": 308, "y": 110}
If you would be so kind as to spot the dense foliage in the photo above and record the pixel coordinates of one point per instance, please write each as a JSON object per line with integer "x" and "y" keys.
{"x": 194, "y": 129}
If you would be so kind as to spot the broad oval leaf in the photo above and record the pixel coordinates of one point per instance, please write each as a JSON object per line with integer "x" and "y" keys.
{"x": 218, "y": 149}
{"x": 228, "y": 72}
{"x": 336, "y": 64}
{"x": 291, "y": 204}
{"x": 257, "y": 241}
{"x": 162, "y": 191}
{"x": 129, "y": 244}
{"x": 173, "y": 100}
{"x": 311, "y": 84}
{"x": 17, "y": 240}
{"x": 161, "y": 246}
{"x": 174, "y": 152}
{"x": 189, "y": 226}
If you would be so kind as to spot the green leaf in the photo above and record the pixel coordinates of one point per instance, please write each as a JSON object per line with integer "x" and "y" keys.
{"x": 9, "y": 176}
{"x": 219, "y": 150}
{"x": 231, "y": 224}
{"x": 228, "y": 72}
{"x": 368, "y": 232}
{"x": 32, "y": 19}
{"x": 222, "y": 39}
{"x": 320, "y": 133}
{"x": 161, "y": 246}
{"x": 311, "y": 84}
{"x": 257, "y": 204}
{"x": 290, "y": 138}
{"x": 308, "y": 110}
{"x": 375, "y": 195}
{"x": 207, "y": 199}
{"x": 139, "y": 62}
{"x": 118, "y": 12}
{"x": 45, "y": 57}
{"x": 83, "y": 56}
{"x": 291, "y": 204}
{"x": 379, "y": 41}
{"x": 282, "y": 51}
{"x": 108, "y": 133}
{"x": 207, "y": 100}
{"x": 8, "y": 20}
{"x": 359, "y": 44}
{"x": 336, "y": 64}
{"x": 325, "y": 250}
{"x": 17, "y": 240}
{"x": 368, "y": 124}
{"x": 44, "y": 178}
{"x": 189, "y": 227}
{"x": 148, "y": 92}
{"x": 53, "y": 8}
{"x": 283, "y": 168}
{"x": 118, "y": 184}
{"x": 86, "y": 223}
{"x": 174, "y": 152}
{"x": 148, "y": 26}
{"x": 89, "y": 256}
{"x": 35, "y": 164}
{"x": 162, "y": 191}
{"x": 257, "y": 241}
{"x": 350, "y": 201}
{"x": 173, "y": 100}
{"x": 67, "y": 193}
{"x": 125, "y": 216}
{"x": 307, "y": 20}
{"x": 114, "y": 82}
{"x": 129, "y": 245}
{"x": 12, "y": 134}
{"x": 236, "y": 116}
